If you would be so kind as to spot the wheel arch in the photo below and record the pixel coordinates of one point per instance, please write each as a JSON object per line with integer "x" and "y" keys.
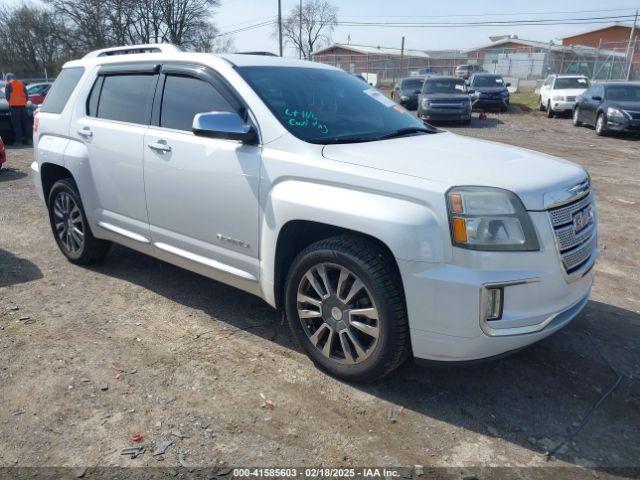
{"x": 50, "y": 173}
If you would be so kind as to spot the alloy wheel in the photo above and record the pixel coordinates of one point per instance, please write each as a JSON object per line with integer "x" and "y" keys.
{"x": 338, "y": 313}
{"x": 68, "y": 223}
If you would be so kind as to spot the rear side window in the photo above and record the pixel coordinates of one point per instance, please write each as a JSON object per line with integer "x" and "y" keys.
{"x": 125, "y": 98}
{"x": 184, "y": 97}
{"x": 62, "y": 89}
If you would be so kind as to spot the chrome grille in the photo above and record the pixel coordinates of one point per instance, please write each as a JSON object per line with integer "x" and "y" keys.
{"x": 634, "y": 115}
{"x": 575, "y": 249}
{"x": 571, "y": 99}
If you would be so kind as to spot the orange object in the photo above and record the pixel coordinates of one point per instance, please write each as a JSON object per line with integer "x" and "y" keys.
{"x": 459, "y": 230}
{"x": 18, "y": 97}
{"x": 456, "y": 203}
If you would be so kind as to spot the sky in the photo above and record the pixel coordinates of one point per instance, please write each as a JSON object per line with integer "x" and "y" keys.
{"x": 235, "y": 14}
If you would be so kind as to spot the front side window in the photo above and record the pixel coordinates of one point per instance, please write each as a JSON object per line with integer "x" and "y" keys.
{"x": 328, "y": 106}
{"x": 125, "y": 98}
{"x": 567, "y": 83}
{"x": 62, "y": 89}
{"x": 445, "y": 85}
{"x": 184, "y": 97}
{"x": 623, "y": 93}
{"x": 488, "y": 81}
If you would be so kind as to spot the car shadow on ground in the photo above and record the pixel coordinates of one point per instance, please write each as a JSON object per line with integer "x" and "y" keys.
{"x": 15, "y": 270}
{"x": 8, "y": 174}
{"x": 534, "y": 398}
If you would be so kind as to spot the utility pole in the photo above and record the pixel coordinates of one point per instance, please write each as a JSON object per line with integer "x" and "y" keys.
{"x": 631, "y": 50}
{"x": 300, "y": 34}
{"x": 401, "y": 57}
{"x": 280, "y": 25}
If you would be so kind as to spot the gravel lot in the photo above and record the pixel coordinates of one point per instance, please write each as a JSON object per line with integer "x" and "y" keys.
{"x": 184, "y": 356}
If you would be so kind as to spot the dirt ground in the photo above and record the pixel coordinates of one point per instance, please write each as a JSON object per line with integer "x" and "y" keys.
{"x": 136, "y": 346}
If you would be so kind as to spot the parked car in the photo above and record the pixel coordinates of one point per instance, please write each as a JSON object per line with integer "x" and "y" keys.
{"x": 406, "y": 92}
{"x": 489, "y": 93}
{"x": 38, "y": 91}
{"x": 610, "y": 107}
{"x": 379, "y": 236}
{"x": 467, "y": 71}
{"x": 559, "y": 92}
{"x": 6, "y": 129}
{"x": 444, "y": 99}
{"x": 428, "y": 71}
{"x": 3, "y": 153}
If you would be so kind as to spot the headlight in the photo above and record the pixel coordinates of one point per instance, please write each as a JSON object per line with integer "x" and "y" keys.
{"x": 558, "y": 98}
{"x": 404, "y": 97}
{"x": 487, "y": 218}
{"x": 615, "y": 113}
{"x": 426, "y": 103}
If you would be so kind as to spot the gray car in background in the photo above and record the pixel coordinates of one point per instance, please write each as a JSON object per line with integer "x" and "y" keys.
{"x": 444, "y": 99}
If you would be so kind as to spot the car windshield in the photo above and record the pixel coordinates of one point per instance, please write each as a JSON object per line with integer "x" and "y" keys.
{"x": 488, "y": 81}
{"x": 412, "y": 84}
{"x": 623, "y": 93}
{"x": 445, "y": 85}
{"x": 326, "y": 106}
{"x": 565, "y": 83}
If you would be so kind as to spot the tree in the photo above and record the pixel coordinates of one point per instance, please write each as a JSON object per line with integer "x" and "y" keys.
{"x": 30, "y": 39}
{"x": 319, "y": 18}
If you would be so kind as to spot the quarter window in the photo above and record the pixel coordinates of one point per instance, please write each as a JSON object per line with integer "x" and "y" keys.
{"x": 62, "y": 90}
{"x": 126, "y": 98}
{"x": 184, "y": 97}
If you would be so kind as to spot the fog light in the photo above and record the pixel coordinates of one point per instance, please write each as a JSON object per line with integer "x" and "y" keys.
{"x": 493, "y": 303}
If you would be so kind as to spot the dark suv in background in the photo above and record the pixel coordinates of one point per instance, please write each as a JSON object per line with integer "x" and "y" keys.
{"x": 444, "y": 99}
{"x": 406, "y": 91}
{"x": 489, "y": 93}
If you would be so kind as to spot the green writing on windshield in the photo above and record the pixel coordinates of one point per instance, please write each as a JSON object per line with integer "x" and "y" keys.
{"x": 305, "y": 119}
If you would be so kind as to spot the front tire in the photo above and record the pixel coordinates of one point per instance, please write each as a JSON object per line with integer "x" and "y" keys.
{"x": 601, "y": 125}
{"x": 550, "y": 112}
{"x": 541, "y": 105}
{"x": 70, "y": 226}
{"x": 345, "y": 306}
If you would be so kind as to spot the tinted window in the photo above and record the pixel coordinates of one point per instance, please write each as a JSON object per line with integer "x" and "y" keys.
{"x": 623, "y": 93}
{"x": 327, "y": 106}
{"x": 487, "y": 81}
{"x": 62, "y": 89}
{"x": 565, "y": 83}
{"x": 126, "y": 98}
{"x": 412, "y": 84}
{"x": 444, "y": 85}
{"x": 184, "y": 97}
{"x": 94, "y": 96}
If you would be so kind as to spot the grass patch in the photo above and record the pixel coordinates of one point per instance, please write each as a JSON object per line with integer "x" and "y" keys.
{"x": 524, "y": 102}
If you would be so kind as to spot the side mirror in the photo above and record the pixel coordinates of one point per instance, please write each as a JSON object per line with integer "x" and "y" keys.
{"x": 597, "y": 98}
{"x": 471, "y": 91}
{"x": 508, "y": 84}
{"x": 225, "y": 125}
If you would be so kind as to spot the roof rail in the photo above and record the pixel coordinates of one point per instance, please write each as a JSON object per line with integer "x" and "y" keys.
{"x": 131, "y": 49}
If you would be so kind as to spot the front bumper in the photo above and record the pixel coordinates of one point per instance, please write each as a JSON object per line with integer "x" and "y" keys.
{"x": 444, "y": 301}
{"x": 410, "y": 103}
{"x": 562, "y": 106}
{"x": 483, "y": 104}
{"x": 445, "y": 115}
{"x": 624, "y": 125}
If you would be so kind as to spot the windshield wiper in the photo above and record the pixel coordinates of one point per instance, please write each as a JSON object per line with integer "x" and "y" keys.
{"x": 406, "y": 131}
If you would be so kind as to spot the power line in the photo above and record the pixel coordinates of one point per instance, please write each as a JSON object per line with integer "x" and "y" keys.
{"x": 247, "y": 28}
{"x": 629, "y": 9}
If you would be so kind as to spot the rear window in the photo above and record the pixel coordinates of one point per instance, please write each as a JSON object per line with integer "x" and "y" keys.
{"x": 125, "y": 98}
{"x": 62, "y": 90}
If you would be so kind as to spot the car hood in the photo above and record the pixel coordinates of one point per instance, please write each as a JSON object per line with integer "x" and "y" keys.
{"x": 409, "y": 93}
{"x": 456, "y": 97}
{"x": 456, "y": 160}
{"x": 633, "y": 106}
{"x": 490, "y": 89}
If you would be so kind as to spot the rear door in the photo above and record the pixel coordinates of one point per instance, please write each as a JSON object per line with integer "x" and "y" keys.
{"x": 118, "y": 112}
{"x": 202, "y": 193}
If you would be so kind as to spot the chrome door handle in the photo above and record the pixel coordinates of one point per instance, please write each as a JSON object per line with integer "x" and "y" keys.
{"x": 160, "y": 146}
{"x": 85, "y": 132}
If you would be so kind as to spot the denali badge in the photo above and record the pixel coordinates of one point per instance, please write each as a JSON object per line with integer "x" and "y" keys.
{"x": 239, "y": 243}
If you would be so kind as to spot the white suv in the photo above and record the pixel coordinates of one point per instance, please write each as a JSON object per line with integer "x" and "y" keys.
{"x": 379, "y": 236}
{"x": 559, "y": 92}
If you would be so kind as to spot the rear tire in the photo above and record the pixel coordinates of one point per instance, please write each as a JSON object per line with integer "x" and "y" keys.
{"x": 576, "y": 118}
{"x": 353, "y": 325}
{"x": 70, "y": 226}
{"x": 601, "y": 125}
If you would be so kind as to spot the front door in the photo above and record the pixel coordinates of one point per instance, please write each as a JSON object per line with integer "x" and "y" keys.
{"x": 202, "y": 193}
